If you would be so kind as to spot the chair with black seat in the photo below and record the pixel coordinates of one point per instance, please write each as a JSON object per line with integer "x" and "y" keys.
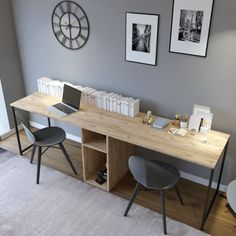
{"x": 153, "y": 174}
{"x": 44, "y": 138}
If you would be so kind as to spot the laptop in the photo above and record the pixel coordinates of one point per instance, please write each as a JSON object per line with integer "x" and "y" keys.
{"x": 70, "y": 102}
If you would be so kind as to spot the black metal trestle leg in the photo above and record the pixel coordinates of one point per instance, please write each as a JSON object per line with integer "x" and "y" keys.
{"x": 39, "y": 164}
{"x": 21, "y": 151}
{"x": 135, "y": 192}
{"x": 163, "y": 210}
{"x": 179, "y": 195}
{"x": 17, "y": 131}
{"x": 208, "y": 207}
{"x": 32, "y": 154}
{"x": 67, "y": 157}
{"x": 207, "y": 199}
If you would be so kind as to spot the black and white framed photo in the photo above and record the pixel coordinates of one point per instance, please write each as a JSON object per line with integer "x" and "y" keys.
{"x": 191, "y": 20}
{"x": 141, "y": 38}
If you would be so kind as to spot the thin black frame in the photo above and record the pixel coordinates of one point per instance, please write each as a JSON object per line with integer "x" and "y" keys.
{"x": 157, "y": 36}
{"x": 213, "y": 2}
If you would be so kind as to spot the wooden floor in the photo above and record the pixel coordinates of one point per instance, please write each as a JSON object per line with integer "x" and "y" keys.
{"x": 220, "y": 222}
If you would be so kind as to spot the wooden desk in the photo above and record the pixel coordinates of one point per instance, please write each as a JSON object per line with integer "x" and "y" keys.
{"x": 109, "y": 137}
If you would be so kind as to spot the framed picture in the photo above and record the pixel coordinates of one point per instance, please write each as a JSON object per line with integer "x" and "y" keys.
{"x": 141, "y": 38}
{"x": 191, "y": 20}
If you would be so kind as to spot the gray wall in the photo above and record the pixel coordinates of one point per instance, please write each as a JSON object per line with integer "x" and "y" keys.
{"x": 10, "y": 69}
{"x": 178, "y": 81}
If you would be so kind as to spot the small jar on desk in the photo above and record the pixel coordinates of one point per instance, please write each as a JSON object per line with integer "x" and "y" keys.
{"x": 148, "y": 119}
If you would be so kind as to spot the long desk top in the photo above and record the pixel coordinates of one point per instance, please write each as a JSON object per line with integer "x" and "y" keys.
{"x": 189, "y": 148}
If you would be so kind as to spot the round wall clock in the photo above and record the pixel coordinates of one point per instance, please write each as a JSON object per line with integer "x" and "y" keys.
{"x": 70, "y": 25}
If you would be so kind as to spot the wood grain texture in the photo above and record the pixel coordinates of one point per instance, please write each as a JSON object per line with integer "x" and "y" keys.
{"x": 118, "y": 155}
{"x": 94, "y": 140}
{"x": 220, "y": 222}
{"x": 132, "y": 130}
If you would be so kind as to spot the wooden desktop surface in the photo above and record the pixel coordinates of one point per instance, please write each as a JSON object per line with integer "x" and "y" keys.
{"x": 189, "y": 148}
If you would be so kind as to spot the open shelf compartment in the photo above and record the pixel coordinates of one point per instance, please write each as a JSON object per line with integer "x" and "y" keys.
{"x": 94, "y": 140}
{"x": 94, "y": 161}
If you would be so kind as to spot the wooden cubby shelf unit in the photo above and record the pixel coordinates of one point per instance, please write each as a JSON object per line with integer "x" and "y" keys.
{"x": 94, "y": 140}
{"x": 93, "y": 161}
{"x": 100, "y": 151}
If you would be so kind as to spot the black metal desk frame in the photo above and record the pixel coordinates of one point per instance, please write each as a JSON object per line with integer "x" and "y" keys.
{"x": 208, "y": 202}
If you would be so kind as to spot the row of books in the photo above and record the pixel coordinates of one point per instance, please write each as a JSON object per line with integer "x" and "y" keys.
{"x": 101, "y": 99}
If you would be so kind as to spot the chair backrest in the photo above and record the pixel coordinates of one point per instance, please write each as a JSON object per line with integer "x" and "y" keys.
{"x": 25, "y": 123}
{"x": 149, "y": 173}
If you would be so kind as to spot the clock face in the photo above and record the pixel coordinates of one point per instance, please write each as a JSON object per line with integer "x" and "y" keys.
{"x": 70, "y": 25}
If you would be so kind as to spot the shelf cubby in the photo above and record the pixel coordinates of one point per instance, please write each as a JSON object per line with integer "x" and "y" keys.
{"x": 100, "y": 151}
{"x": 94, "y": 140}
{"x": 93, "y": 161}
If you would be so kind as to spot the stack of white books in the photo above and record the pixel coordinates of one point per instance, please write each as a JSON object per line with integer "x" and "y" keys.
{"x": 101, "y": 99}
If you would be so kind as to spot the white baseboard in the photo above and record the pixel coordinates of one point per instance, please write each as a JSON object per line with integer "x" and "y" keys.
{"x": 184, "y": 175}
{"x": 201, "y": 181}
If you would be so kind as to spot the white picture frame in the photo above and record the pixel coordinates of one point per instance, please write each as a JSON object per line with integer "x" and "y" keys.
{"x": 141, "y": 38}
{"x": 191, "y": 20}
{"x": 199, "y": 108}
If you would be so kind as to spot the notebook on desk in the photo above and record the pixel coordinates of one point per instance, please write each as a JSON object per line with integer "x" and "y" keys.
{"x": 70, "y": 102}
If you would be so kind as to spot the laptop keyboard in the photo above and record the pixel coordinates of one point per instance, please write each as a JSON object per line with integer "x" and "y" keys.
{"x": 63, "y": 108}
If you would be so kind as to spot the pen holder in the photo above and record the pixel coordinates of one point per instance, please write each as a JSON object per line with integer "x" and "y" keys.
{"x": 183, "y": 124}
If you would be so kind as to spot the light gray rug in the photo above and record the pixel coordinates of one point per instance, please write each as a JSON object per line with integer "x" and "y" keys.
{"x": 64, "y": 206}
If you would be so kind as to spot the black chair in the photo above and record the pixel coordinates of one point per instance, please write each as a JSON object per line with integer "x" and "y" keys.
{"x": 44, "y": 138}
{"x": 151, "y": 174}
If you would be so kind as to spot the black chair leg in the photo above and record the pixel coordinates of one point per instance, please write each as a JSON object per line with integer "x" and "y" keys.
{"x": 163, "y": 210}
{"x": 135, "y": 192}
{"x": 39, "y": 164}
{"x": 32, "y": 154}
{"x": 67, "y": 157}
{"x": 179, "y": 196}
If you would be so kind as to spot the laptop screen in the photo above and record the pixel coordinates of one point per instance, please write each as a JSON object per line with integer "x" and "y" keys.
{"x": 71, "y": 96}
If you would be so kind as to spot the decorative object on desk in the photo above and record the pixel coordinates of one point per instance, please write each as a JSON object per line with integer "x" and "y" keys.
{"x": 184, "y": 121}
{"x": 141, "y": 38}
{"x": 176, "y": 121}
{"x": 192, "y": 131}
{"x": 148, "y": 119}
{"x": 191, "y": 21}
{"x": 205, "y": 115}
{"x": 199, "y": 108}
{"x": 70, "y": 25}
{"x": 160, "y": 123}
{"x": 194, "y": 123}
{"x": 177, "y": 131}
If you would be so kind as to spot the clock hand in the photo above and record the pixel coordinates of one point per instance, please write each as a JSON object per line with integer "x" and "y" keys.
{"x": 69, "y": 19}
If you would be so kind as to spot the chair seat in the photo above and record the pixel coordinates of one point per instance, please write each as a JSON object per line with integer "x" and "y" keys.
{"x": 49, "y": 136}
{"x": 153, "y": 174}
